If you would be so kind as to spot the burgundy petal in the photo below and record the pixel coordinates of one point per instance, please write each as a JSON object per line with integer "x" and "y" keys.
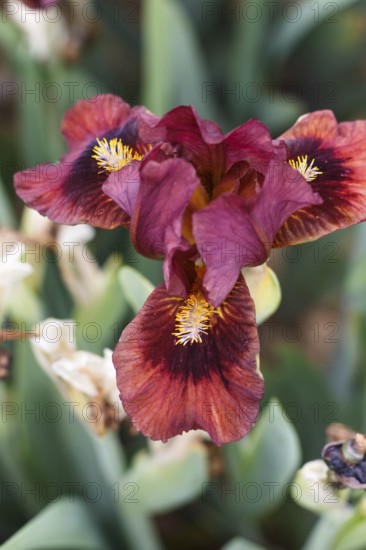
{"x": 123, "y": 186}
{"x": 250, "y": 142}
{"x": 338, "y": 152}
{"x": 36, "y": 4}
{"x": 156, "y": 228}
{"x": 90, "y": 118}
{"x": 197, "y": 140}
{"x": 227, "y": 238}
{"x": 64, "y": 196}
{"x": 167, "y": 387}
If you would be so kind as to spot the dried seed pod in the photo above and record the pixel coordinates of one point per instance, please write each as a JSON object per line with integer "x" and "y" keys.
{"x": 347, "y": 460}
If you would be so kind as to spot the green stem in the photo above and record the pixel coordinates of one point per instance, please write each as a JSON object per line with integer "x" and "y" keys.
{"x": 137, "y": 529}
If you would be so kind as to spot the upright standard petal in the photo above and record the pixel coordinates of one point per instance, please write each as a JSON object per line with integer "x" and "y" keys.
{"x": 251, "y": 142}
{"x": 183, "y": 365}
{"x": 202, "y": 143}
{"x": 332, "y": 158}
{"x": 103, "y": 138}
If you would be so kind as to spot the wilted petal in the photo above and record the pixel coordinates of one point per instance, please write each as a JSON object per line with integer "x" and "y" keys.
{"x": 214, "y": 384}
{"x": 264, "y": 289}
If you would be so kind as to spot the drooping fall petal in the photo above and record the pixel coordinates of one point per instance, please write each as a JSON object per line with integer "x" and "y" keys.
{"x": 103, "y": 138}
{"x": 174, "y": 377}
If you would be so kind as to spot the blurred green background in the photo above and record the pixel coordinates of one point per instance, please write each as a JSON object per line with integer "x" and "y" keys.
{"x": 233, "y": 60}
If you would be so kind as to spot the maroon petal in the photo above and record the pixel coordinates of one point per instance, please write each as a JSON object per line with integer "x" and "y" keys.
{"x": 64, "y": 196}
{"x": 123, "y": 186}
{"x": 72, "y": 191}
{"x": 213, "y": 384}
{"x": 227, "y": 238}
{"x": 156, "y": 228}
{"x": 284, "y": 191}
{"x": 338, "y": 152}
{"x": 91, "y": 118}
{"x": 197, "y": 140}
{"x": 250, "y": 142}
{"x": 36, "y": 4}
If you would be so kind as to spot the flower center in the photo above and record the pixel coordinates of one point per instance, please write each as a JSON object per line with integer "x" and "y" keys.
{"x": 193, "y": 319}
{"x": 112, "y": 155}
{"x": 309, "y": 171}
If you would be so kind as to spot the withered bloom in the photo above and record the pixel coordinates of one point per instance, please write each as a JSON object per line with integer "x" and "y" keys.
{"x": 347, "y": 460}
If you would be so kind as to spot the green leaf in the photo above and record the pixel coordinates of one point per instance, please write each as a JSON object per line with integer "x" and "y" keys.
{"x": 295, "y": 26}
{"x": 161, "y": 482}
{"x": 174, "y": 72}
{"x": 323, "y": 535}
{"x": 6, "y": 210}
{"x": 241, "y": 544}
{"x": 263, "y": 463}
{"x": 61, "y": 525}
{"x": 136, "y": 288}
{"x": 352, "y": 535}
{"x": 103, "y": 315}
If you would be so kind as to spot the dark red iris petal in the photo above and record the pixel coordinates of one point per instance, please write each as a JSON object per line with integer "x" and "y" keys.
{"x": 168, "y": 388}
{"x": 327, "y": 159}
{"x": 339, "y": 152}
{"x": 156, "y": 228}
{"x": 85, "y": 169}
{"x": 72, "y": 190}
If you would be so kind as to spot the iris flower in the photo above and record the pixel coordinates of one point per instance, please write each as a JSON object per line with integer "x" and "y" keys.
{"x": 210, "y": 204}
{"x": 103, "y": 138}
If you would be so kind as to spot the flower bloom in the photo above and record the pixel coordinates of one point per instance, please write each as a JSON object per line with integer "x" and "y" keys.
{"x": 103, "y": 138}
{"x": 209, "y": 204}
{"x": 218, "y": 197}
